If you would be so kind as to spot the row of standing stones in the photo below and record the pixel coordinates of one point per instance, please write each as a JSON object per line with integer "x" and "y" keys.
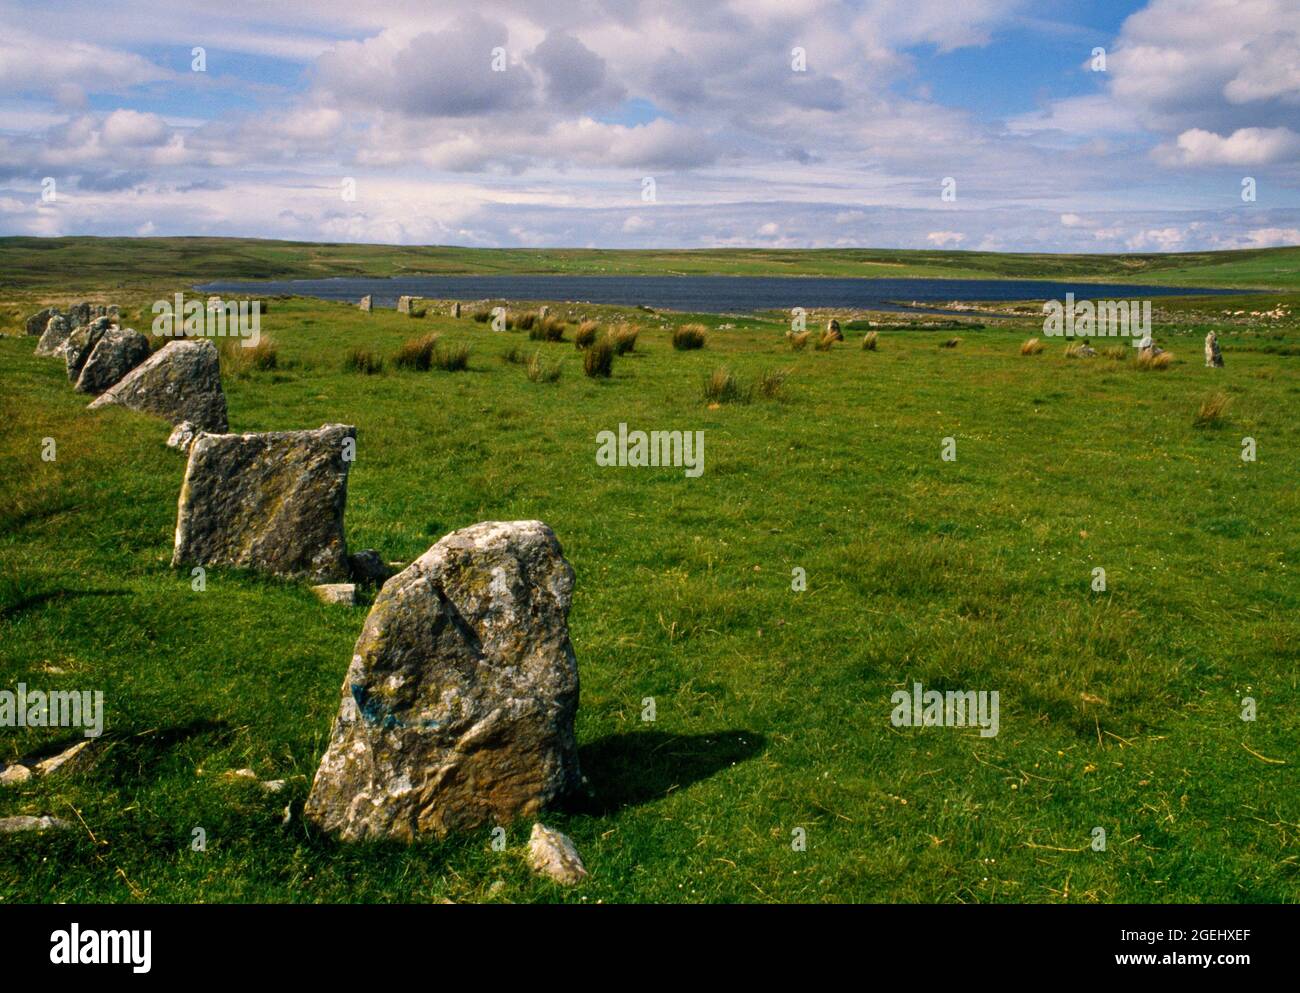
{"x": 458, "y": 707}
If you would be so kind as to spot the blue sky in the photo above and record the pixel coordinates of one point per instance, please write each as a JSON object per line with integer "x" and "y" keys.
{"x": 766, "y": 123}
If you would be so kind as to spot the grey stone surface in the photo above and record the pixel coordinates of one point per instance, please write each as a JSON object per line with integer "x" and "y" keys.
{"x": 458, "y": 708}
{"x": 181, "y": 382}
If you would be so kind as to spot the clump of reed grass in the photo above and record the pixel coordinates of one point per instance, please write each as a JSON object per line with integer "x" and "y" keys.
{"x": 1148, "y": 360}
{"x": 623, "y": 337}
{"x": 1032, "y": 347}
{"x": 687, "y": 337}
{"x": 827, "y": 340}
{"x": 416, "y": 353}
{"x": 598, "y": 360}
{"x": 722, "y": 386}
{"x": 526, "y": 320}
{"x": 870, "y": 341}
{"x": 586, "y": 334}
{"x": 238, "y": 360}
{"x": 364, "y": 361}
{"x": 481, "y": 315}
{"x": 451, "y": 358}
{"x": 771, "y": 383}
{"x": 514, "y": 356}
{"x": 798, "y": 340}
{"x": 547, "y": 328}
{"x": 1212, "y": 410}
{"x": 540, "y": 371}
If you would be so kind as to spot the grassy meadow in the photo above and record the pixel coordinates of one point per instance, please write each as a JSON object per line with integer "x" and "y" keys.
{"x": 1119, "y": 709}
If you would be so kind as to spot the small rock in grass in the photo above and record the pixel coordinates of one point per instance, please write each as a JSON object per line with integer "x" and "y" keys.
{"x": 182, "y": 437}
{"x": 56, "y": 762}
{"x": 15, "y": 774}
{"x": 340, "y": 593}
{"x": 18, "y": 825}
{"x": 553, "y": 854}
{"x": 367, "y": 568}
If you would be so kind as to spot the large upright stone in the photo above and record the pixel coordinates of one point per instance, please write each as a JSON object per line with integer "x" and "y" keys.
{"x": 404, "y": 304}
{"x": 458, "y": 706}
{"x": 55, "y": 338}
{"x": 181, "y": 382}
{"x": 272, "y": 502}
{"x": 81, "y": 342}
{"x": 118, "y": 351}
{"x": 1213, "y": 354}
{"x": 367, "y": 304}
{"x": 37, "y": 323}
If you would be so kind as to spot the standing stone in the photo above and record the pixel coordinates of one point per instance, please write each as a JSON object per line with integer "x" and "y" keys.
{"x": 553, "y": 854}
{"x": 368, "y": 568}
{"x": 181, "y": 382}
{"x": 833, "y": 328}
{"x": 55, "y": 338}
{"x": 79, "y": 315}
{"x": 39, "y": 321}
{"x": 1213, "y": 356}
{"x": 459, "y": 704}
{"x": 366, "y": 305}
{"x": 272, "y": 502}
{"x": 404, "y": 305}
{"x": 118, "y": 351}
{"x": 455, "y": 309}
{"x": 81, "y": 342}
{"x": 543, "y": 311}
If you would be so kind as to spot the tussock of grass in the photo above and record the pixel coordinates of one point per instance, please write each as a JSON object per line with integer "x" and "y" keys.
{"x": 798, "y": 340}
{"x": 1117, "y": 353}
{"x": 623, "y": 337}
{"x": 540, "y": 371}
{"x": 1032, "y": 347}
{"x": 722, "y": 386}
{"x": 526, "y": 320}
{"x": 514, "y": 356}
{"x": 688, "y": 336}
{"x": 416, "y": 353}
{"x": 828, "y": 339}
{"x": 1212, "y": 410}
{"x": 1148, "y": 361}
{"x": 451, "y": 358}
{"x": 547, "y": 328}
{"x": 364, "y": 361}
{"x": 870, "y": 341}
{"x": 771, "y": 383}
{"x": 598, "y": 360}
{"x": 236, "y": 360}
{"x": 586, "y": 334}
{"x": 482, "y": 316}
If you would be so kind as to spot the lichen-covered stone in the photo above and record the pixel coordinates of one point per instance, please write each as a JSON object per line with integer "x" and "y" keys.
{"x": 37, "y": 323}
{"x": 81, "y": 342}
{"x": 367, "y": 304}
{"x": 181, "y": 382}
{"x": 272, "y": 502}
{"x": 339, "y": 594}
{"x": 1213, "y": 354}
{"x": 55, "y": 337}
{"x": 459, "y": 704}
{"x": 182, "y": 437}
{"x": 554, "y": 855}
{"x": 118, "y": 351}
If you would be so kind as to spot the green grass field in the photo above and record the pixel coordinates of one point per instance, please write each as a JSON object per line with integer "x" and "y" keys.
{"x": 83, "y": 263}
{"x": 1119, "y": 710}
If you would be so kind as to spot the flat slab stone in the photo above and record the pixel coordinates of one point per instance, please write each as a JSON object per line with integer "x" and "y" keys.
{"x": 181, "y": 382}
{"x": 272, "y": 502}
{"x": 117, "y": 352}
{"x": 555, "y": 856}
{"x": 344, "y": 594}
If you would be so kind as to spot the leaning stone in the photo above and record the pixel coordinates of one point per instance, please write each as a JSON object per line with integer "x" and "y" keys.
{"x": 457, "y": 710}
{"x": 79, "y": 315}
{"x": 1213, "y": 354}
{"x": 182, "y": 437}
{"x": 118, "y": 351}
{"x": 553, "y": 854}
{"x": 343, "y": 594}
{"x": 81, "y": 342}
{"x": 367, "y": 567}
{"x": 272, "y": 502}
{"x": 37, "y": 323}
{"x": 15, "y": 774}
{"x": 366, "y": 305}
{"x": 181, "y": 382}
{"x": 16, "y": 825}
{"x": 56, "y": 762}
{"x": 55, "y": 338}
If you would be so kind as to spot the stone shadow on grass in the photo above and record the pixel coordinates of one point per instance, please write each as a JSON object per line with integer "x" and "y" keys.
{"x": 637, "y": 767}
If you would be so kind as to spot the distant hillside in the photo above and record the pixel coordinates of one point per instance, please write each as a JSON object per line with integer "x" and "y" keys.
{"x": 72, "y": 263}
